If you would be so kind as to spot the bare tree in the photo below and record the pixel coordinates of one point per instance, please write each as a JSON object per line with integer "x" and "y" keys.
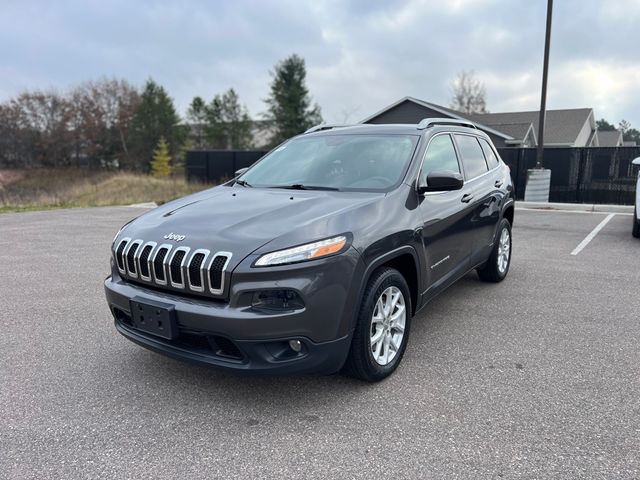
{"x": 469, "y": 95}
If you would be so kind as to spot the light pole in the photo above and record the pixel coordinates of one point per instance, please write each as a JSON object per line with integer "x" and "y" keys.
{"x": 543, "y": 97}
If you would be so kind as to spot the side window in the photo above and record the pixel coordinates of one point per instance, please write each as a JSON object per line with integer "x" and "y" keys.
{"x": 440, "y": 155}
{"x": 489, "y": 154}
{"x": 472, "y": 156}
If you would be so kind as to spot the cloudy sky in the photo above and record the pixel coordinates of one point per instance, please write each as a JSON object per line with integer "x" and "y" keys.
{"x": 361, "y": 54}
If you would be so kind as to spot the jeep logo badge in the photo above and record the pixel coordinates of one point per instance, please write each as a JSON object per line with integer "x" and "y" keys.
{"x": 174, "y": 236}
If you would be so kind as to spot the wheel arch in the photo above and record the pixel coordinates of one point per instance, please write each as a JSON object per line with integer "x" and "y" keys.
{"x": 405, "y": 260}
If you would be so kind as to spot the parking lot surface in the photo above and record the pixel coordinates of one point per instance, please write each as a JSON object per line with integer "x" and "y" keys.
{"x": 535, "y": 377}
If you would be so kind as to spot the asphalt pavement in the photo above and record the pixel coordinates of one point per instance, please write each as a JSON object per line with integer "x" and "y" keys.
{"x": 535, "y": 377}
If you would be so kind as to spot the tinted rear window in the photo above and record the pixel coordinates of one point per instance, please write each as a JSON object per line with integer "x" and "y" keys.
{"x": 489, "y": 154}
{"x": 472, "y": 156}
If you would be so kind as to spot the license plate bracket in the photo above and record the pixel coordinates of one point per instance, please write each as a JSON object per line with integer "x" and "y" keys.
{"x": 156, "y": 318}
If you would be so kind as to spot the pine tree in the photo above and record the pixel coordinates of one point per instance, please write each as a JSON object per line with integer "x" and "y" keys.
{"x": 155, "y": 117}
{"x": 228, "y": 122}
{"x": 161, "y": 161}
{"x": 289, "y": 104}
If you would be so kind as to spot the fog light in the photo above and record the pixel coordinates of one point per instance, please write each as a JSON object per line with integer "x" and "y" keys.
{"x": 295, "y": 345}
{"x": 277, "y": 300}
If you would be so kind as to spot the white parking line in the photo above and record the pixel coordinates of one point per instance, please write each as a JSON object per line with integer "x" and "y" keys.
{"x": 592, "y": 235}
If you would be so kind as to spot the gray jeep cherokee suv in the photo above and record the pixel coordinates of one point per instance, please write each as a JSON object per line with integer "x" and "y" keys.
{"x": 316, "y": 257}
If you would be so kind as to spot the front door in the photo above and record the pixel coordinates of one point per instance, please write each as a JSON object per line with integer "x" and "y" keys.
{"x": 446, "y": 231}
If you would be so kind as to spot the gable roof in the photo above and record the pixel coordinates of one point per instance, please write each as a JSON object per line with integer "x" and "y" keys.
{"x": 562, "y": 127}
{"x": 447, "y": 112}
{"x": 609, "y": 138}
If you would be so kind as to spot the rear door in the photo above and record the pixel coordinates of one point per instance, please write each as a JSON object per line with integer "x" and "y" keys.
{"x": 446, "y": 231}
{"x": 480, "y": 177}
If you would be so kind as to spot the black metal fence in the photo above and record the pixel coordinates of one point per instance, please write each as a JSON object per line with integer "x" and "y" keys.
{"x": 578, "y": 175}
{"x": 215, "y": 166}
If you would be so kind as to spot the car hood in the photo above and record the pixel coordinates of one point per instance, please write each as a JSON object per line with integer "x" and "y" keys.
{"x": 241, "y": 220}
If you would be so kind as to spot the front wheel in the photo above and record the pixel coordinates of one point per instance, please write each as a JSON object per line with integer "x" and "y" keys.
{"x": 382, "y": 329}
{"x": 636, "y": 224}
{"x": 497, "y": 266}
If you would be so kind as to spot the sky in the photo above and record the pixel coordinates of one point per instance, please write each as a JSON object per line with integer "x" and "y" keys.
{"x": 361, "y": 55}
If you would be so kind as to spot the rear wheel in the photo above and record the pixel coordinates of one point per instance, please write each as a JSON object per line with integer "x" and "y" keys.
{"x": 636, "y": 224}
{"x": 382, "y": 330}
{"x": 497, "y": 266}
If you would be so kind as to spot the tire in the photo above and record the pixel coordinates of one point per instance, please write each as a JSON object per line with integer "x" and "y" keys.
{"x": 370, "y": 361}
{"x": 495, "y": 270}
{"x": 636, "y": 224}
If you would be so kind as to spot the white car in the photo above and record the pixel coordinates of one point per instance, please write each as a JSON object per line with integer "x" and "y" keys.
{"x": 636, "y": 218}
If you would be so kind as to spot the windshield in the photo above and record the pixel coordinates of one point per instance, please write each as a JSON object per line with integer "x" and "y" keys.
{"x": 343, "y": 162}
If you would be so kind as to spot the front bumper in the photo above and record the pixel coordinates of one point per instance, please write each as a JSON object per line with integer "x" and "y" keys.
{"x": 230, "y": 334}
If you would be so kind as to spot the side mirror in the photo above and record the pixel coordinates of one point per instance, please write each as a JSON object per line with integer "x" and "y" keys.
{"x": 241, "y": 171}
{"x": 635, "y": 161}
{"x": 442, "y": 181}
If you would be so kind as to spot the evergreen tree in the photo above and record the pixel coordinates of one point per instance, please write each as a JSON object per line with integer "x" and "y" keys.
{"x": 604, "y": 126}
{"x": 161, "y": 161}
{"x": 228, "y": 122}
{"x": 289, "y": 104}
{"x": 155, "y": 117}
{"x": 197, "y": 118}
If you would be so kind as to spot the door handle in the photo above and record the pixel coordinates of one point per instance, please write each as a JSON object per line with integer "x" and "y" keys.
{"x": 498, "y": 183}
{"x": 467, "y": 197}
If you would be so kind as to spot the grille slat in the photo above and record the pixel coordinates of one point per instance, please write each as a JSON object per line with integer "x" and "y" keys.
{"x": 195, "y": 275}
{"x": 158, "y": 264}
{"x": 216, "y": 271}
{"x": 119, "y": 252}
{"x": 144, "y": 261}
{"x": 131, "y": 258}
{"x": 175, "y": 269}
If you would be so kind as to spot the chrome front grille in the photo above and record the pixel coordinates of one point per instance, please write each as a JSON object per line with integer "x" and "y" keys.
{"x": 166, "y": 265}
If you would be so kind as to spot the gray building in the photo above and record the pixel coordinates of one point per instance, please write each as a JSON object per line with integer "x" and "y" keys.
{"x": 563, "y": 128}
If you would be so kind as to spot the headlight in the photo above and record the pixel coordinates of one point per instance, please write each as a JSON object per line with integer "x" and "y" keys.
{"x": 310, "y": 251}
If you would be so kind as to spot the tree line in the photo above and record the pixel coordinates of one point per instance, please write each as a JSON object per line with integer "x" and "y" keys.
{"x": 112, "y": 123}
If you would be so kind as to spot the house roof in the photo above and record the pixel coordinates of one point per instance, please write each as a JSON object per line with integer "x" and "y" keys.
{"x": 438, "y": 108}
{"x": 562, "y": 127}
{"x": 519, "y": 131}
{"x": 609, "y": 138}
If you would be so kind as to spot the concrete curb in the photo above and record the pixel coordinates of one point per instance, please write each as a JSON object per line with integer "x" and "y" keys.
{"x": 575, "y": 207}
{"x": 143, "y": 205}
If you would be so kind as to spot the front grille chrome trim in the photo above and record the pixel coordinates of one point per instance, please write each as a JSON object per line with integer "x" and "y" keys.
{"x": 157, "y": 280}
{"x": 220, "y": 290}
{"x": 139, "y": 260}
{"x": 137, "y": 242}
{"x": 122, "y": 257}
{"x": 182, "y": 266}
{"x": 203, "y": 270}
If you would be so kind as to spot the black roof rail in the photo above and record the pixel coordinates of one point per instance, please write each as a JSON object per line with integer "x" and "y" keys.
{"x": 325, "y": 126}
{"x": 429, "y": 122}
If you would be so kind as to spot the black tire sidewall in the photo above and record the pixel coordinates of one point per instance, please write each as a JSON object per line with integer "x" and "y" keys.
{"x": 366, "y": 366}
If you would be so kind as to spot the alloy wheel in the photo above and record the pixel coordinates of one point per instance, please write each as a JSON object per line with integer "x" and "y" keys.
{"x": 504, "y": 250}
{"x": 388, "y": 325}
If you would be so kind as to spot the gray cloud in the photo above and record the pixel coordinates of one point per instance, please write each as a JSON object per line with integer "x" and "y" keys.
{"x": 361, "y": 55}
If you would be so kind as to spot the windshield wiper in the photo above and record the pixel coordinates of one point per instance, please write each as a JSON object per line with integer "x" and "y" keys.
{"x": 300, "y": 186}
{"x": 243, "y": 183}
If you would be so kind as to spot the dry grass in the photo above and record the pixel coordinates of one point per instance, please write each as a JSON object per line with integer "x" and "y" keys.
{"x": 65, "y": 188}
